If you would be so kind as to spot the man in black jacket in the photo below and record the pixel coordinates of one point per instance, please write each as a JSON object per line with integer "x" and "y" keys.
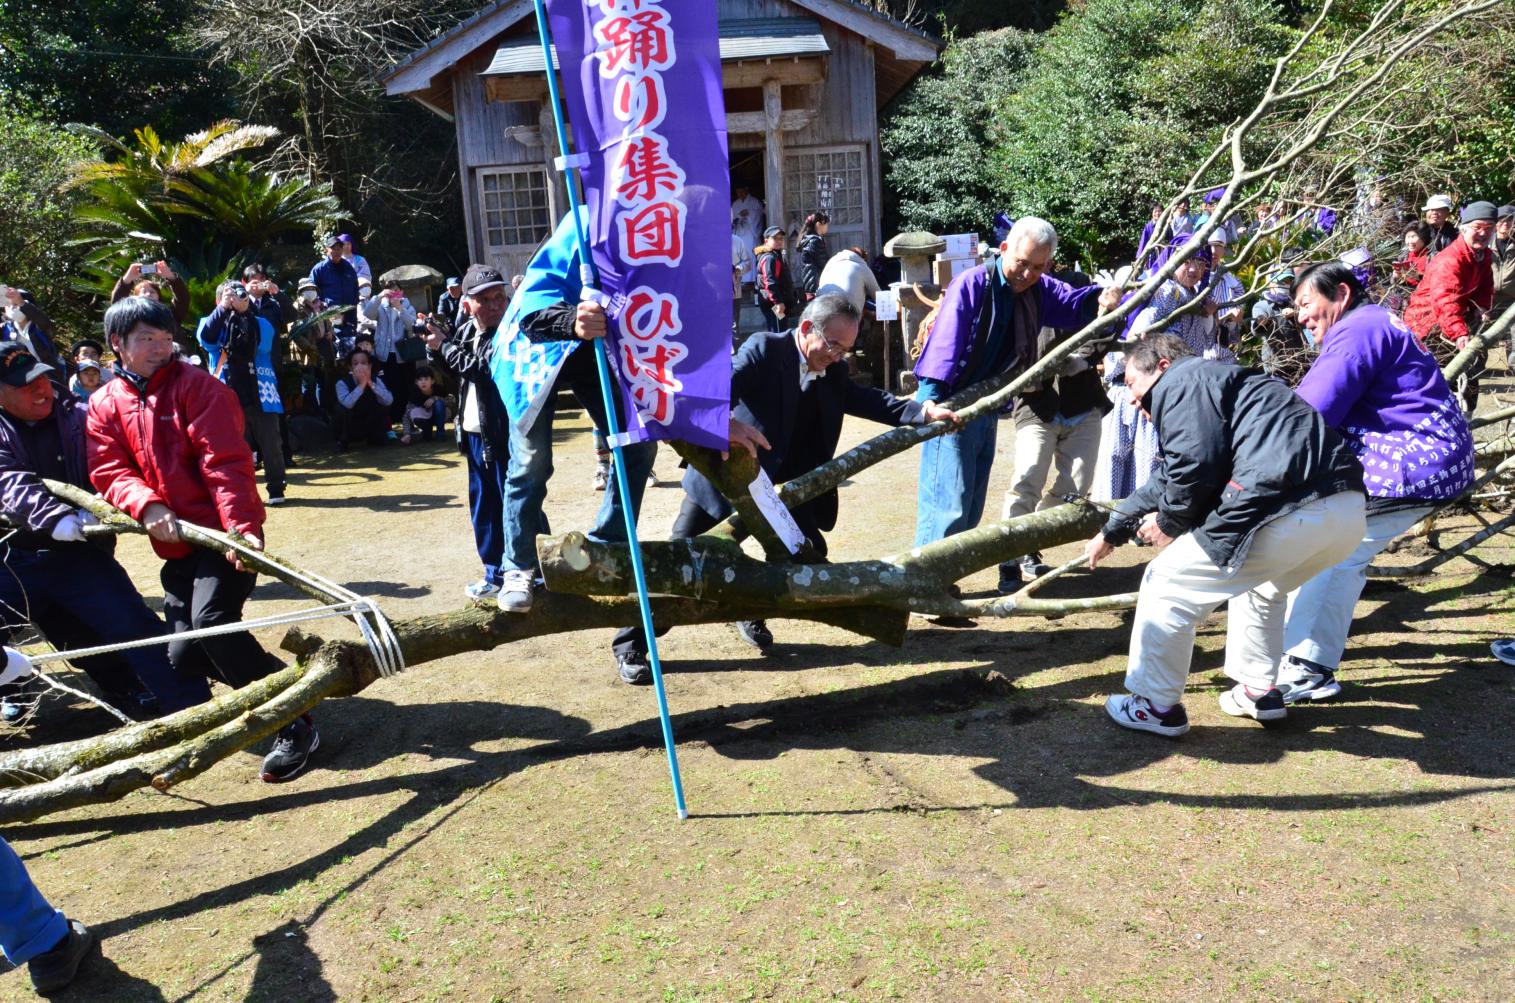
{"x": 792, "y": 389}
{"x": 1255, "y": 496}
{"x": 483, "y": 426}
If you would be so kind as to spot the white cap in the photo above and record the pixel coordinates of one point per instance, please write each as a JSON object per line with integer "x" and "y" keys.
{"x": 1437, "y": 202}
{"x": 1219, "y": 237}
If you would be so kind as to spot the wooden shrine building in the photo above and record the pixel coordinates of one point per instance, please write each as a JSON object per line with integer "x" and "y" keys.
{"x": 803, "y": 79}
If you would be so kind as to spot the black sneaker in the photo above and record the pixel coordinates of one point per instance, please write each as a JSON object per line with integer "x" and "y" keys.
{"x": 292, "y": 748}
{"x": 54, "y": 969}
{"x": 633, "y": 667}
{"x": 1032, "y": 567}
{"x": 756, "y": 633}
{"x": 1009, "y": 578}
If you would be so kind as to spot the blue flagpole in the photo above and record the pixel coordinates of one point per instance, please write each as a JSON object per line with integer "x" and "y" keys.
{"x": 590, "y": 280}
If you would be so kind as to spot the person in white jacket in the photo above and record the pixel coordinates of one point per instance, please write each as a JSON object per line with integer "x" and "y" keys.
{"x": 394, "y": 321}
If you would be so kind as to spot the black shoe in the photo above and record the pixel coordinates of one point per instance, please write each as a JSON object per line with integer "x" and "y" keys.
{"x": 633, "y": 667}
{"x": 291, "y": 751}
{"x": 54, "y": 969}
{"x": 1032, "y": 567}
{"x": 1009, "y": 579}
{"x": 756, "y": 633}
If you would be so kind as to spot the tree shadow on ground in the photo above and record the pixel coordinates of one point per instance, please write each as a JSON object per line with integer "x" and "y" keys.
{"x": 1044, "y": 745}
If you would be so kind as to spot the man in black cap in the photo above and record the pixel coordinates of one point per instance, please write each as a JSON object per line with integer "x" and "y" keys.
{"x": 71, "y": 590}
{"x": 450, "y": 303}
{"x": 337, "y": 283}
{"x": 483, "y": 425}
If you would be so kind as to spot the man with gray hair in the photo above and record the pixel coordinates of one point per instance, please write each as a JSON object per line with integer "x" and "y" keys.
{"x": 987, "y": 325}
{"x": 790, "y": 391}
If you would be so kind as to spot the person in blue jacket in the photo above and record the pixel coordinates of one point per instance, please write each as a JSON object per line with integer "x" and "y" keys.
{"x": 337, "y": 283}
{"x": 240, "y": 346}
{"x": 539, "y": 341}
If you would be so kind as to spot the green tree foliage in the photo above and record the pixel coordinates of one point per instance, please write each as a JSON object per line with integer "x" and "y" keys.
{"x": 35, "y": 254}
{"x": 1121, "y": 103}
{"x": 116, "y": 64}
{"x": 938, "y": 135}
{"x": 195, "y": 202}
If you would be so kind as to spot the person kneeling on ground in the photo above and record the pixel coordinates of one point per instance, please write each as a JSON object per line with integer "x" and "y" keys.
{"x": 789, "y": 393}
{"x": 1376, "y": 384}
{"x": 194, "y": 465}
{"x": 1255, "y": 495}
{"x": 426, "y": 411}
{"x": 362, "y": 403}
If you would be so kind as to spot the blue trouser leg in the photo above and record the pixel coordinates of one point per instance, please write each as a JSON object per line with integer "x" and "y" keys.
{"x": 486, "y": 504}
{"x": 610, "y": 525}
{"x": 527, "y": 471}
{"x": 954, "y": 480}
{"x": 28, "y": 925}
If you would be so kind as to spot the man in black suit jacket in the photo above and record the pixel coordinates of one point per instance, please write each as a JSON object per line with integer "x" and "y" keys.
{"x": 792, "y": 388}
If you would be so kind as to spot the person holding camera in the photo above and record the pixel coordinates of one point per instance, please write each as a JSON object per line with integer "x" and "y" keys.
{"x": 394, "y": 322}
{"x": 240, "y": 346}
{"x": 155, "y": 280}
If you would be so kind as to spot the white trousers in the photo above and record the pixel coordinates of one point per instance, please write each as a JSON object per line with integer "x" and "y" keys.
{"x": 1182, "y": 586}
{"x": 1068, "y": 452}
{"x": 1320, "y": 610}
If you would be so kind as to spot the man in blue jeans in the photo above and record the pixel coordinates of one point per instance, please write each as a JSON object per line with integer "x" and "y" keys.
{"x": 32, "y": 932}
{"x": 543, "y": 348}
{"x": 988, "y": 324}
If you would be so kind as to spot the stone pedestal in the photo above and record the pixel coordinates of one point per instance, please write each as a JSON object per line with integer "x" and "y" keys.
{"x": 916, "y": 251}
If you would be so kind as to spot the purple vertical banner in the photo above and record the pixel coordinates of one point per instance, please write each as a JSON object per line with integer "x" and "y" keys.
{"x": 659, "y": 202}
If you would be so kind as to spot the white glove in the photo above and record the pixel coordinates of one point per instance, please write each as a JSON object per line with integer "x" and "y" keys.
{"x": 17, "y": 667}
{"x": 69, "y": 529}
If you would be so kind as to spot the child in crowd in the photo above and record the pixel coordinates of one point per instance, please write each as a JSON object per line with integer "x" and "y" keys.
{"x": 426, "y": 410}
{"x": 362, "y": 403}
{"x": 87, "y": 380}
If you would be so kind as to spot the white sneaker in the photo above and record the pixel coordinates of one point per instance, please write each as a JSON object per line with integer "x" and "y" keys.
{"x": 1131, "y": 711}
{"x": 515, "y": 592}
{"x": 1237, "y": 702}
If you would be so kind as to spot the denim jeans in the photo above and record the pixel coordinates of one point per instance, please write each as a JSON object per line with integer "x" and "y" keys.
{"x": 486, "y": 503}
{"x": 530, "y": 467}
{"x": 28, "y": 925}
{"x": 954, "y": 479}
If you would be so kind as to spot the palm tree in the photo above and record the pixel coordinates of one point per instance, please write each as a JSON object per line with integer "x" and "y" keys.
{"x": 195, "y": 202}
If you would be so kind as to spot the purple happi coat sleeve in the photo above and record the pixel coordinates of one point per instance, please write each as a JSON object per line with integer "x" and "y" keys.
{"x": 1340, "y": 375}
{"x": 1066, "y": 307}
{"x": 947, "y": 348}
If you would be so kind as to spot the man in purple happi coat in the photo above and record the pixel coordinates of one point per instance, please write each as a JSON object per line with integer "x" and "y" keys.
{"x": 1376, "y": 384}
{"x": 988, "y": 324}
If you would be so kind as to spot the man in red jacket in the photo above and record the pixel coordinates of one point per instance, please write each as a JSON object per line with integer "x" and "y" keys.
{"x": 1457, "y": 292}
{"x": 166, "y": 443}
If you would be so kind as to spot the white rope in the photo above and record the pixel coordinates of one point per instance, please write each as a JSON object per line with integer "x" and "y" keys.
{"x": 277, "y": 620}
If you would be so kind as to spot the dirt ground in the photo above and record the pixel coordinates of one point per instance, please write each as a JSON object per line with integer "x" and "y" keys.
{"x": 955, "y": 819}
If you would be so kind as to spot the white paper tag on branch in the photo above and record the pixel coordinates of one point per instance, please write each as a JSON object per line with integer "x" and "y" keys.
{"x": 767, "y": 497}
{"x": 886, "y": 305}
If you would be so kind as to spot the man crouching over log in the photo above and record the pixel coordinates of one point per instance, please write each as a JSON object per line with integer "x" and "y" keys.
{"x": 1255, "y": 496}
{"x": 166, "y": 442}
{"x": 789, "y": 393}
